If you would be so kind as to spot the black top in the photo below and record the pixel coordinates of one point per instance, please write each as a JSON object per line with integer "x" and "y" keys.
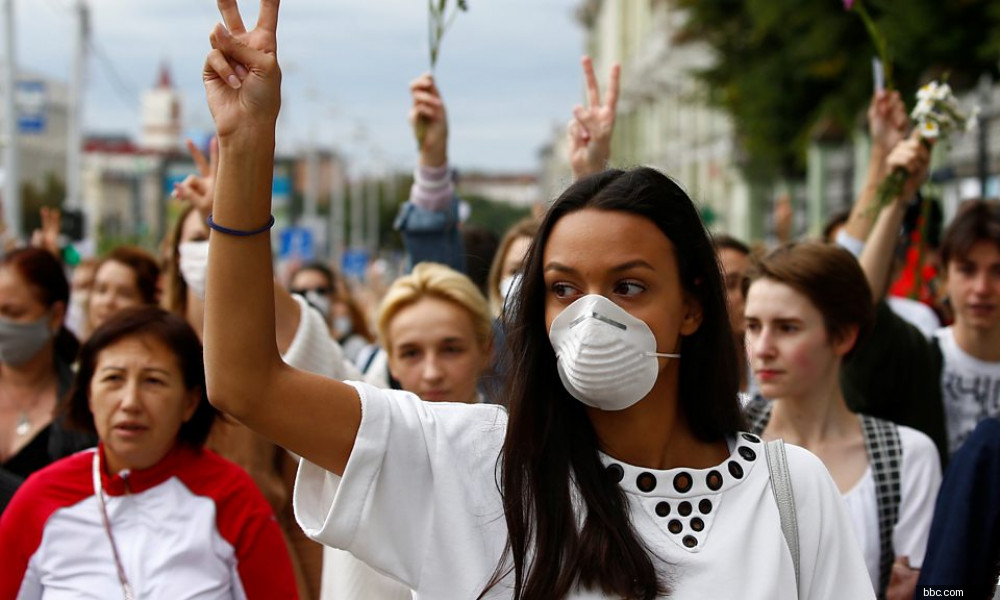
{"x": 49, "y": 445}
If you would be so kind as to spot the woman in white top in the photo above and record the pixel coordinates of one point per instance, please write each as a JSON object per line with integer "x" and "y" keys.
{"x": 436, "y": 328}
{"x": 591, "y": 490}
{"x": 807, "y": 307}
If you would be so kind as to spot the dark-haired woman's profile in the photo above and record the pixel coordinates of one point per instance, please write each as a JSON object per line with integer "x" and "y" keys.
{"x": 619, "y": 469}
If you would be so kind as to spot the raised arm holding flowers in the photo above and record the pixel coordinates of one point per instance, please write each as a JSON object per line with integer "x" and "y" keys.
{"x": 591, "y": 127}
{"x": 888, "y": 125}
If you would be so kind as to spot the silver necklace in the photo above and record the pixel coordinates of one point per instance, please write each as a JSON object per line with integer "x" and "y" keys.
{"x": 23, "y": 424}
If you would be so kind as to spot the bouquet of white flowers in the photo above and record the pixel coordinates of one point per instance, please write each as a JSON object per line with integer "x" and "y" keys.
{"x": 937, "y": 115}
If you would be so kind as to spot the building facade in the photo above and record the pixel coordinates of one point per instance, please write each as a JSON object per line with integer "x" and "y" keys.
{"x": 664, "y": 120}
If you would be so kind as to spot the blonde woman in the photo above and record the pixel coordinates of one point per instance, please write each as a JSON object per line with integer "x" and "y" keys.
{"x": 436, "y": 331}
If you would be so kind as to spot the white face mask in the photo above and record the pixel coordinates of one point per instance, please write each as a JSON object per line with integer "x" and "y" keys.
{"x": 320, "y": 302}
{"x": 510, "y": 286}
{"x": 606, "y": 357}
{"x": 194, "y": 265}
{"x": 343, "y": 326}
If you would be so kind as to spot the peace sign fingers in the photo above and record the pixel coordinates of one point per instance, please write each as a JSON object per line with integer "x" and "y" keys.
{"x": 593, "y": 91}
{"x": 231, "y": 16}
{"x": 267, "y": 20}
{"x": 593, "y": 125}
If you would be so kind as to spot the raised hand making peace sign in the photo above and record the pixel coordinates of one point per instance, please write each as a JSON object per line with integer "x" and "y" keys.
{"x": 199, "y": 190}
{"x": 591, "y": 127}
{"x": 242, "y": 78}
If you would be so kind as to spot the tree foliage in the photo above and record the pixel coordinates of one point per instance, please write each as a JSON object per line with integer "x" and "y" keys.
{"x": 789, "y": 71}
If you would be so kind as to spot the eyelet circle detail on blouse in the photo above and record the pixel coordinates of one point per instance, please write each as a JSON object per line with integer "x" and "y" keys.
{"x": 697, "y": 524}
{"x": 662, "y": 508}
{"x": 714, "y": 480}
{"x": 751, "y": 438}
{"x": 616, "y": 473}
{"x": 646, "y": 482}
{"x": 683, "y": 482}
{"x": 735, "y": 469}
{"x": 690, "y": 541}
{"x": 684, "y": 509}
{"x": 675, "y": 527}
{"x": 705, "y": 506}
{"x": 747, "y": 453}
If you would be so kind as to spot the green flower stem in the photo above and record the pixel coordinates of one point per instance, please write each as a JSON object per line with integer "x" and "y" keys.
{"x": 879, "y": 40}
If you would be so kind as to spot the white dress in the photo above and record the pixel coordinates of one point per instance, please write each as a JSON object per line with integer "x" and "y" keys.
{"x": 419, "y": 502}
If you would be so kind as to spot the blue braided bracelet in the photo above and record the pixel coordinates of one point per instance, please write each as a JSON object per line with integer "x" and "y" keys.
{"x": 238, "y": 232}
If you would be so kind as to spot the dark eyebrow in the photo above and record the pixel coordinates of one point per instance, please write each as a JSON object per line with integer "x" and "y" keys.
{"x": 554, "y": 266}
{"x": 632, "y": 264}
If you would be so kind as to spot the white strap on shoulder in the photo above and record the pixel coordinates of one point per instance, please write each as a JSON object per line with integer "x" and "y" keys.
{"x": 781, "y": 485}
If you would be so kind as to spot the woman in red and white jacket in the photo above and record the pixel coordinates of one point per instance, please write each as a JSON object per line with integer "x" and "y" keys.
{"x": 149, "y": 513}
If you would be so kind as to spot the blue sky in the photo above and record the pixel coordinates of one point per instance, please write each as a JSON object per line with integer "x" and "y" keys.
{"x": 509, "y": 70}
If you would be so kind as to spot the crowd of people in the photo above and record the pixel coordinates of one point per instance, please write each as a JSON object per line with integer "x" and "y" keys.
{"x": 624, "y": 406}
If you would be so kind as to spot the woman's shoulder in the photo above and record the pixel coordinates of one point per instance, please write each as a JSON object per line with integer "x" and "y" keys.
{"x": 207, "y": 474}
{"x": 63, "y": 483}
{"x": 807, "y": 472}
{"x": 916, "y": 443}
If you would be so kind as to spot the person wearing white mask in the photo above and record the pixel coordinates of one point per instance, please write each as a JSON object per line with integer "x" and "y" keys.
{"x": 36, "y": 352}
{"x": 506, "y": 269}
{"x": 322, "y": 288}
{"x": 81, "y": 284}
{"x": 656, "y": 493}
{"x": 551, "y": 498}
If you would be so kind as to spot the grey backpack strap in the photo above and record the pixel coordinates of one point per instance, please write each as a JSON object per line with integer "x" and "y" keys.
{"x": 781, "y": 485}
{"x": 885, "y": 455}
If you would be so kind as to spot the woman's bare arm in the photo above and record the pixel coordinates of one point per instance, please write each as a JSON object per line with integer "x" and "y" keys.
{"x": 315, "y": 417}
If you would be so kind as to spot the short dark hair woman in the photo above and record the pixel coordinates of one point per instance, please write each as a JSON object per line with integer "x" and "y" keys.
{"x": 808, "y": 307}
{"x": 149, "y": 511}
{"x": 620, "y": 470}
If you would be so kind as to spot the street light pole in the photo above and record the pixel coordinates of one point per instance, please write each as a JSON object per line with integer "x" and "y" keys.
{"x": 12, "y": 170}
{"x": 74, "y": 134}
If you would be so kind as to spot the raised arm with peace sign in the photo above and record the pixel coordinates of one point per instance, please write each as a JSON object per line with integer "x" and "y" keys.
{"x": 591, "y": 127}
{"x": 313, "y": 416}
{"x": 242, "y": 78}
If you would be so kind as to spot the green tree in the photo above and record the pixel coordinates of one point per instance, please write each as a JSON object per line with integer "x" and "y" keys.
{"x": 789, "y": 71}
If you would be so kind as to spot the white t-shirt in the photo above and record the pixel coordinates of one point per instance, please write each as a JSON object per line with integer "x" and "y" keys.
{"x": 970, "y": 389}
{"x": 916, "y": 313}
{"x": 920, "y": 478}
{"x": 419, "y": 502}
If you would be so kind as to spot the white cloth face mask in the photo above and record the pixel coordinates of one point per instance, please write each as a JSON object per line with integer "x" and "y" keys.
{"x": 606, "y": 357}
{"x": 194, "y": 265}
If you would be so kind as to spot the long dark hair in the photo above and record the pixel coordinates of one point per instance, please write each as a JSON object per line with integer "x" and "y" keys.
{"x": 551, "y": 446}
{"x": 45, "y": 276}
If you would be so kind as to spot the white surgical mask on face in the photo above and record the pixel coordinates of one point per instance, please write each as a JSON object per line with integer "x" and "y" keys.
{"x": 76, "y": 314}
{"x": 510, "y": 285}
{"x": 194, "y": 265}
{"x": 320, "y": 302}
{"x": 606, "y": 357}
{"x": 342, "y": 325}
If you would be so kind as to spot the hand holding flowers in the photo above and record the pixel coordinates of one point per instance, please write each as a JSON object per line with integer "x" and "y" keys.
{"x": 937, "y": 115}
